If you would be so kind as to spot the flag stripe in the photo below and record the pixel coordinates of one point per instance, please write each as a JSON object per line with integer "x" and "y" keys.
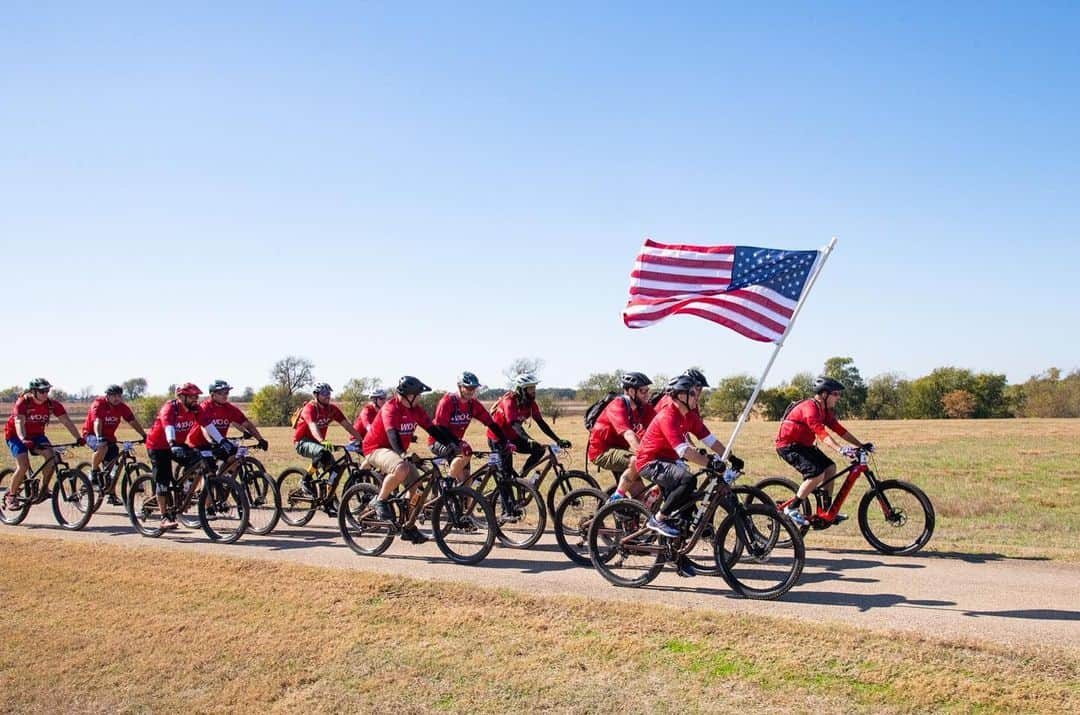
{"x": 766, "y": 320}
{"x": 700, "y": 250}
{"x": 679, "y": 278}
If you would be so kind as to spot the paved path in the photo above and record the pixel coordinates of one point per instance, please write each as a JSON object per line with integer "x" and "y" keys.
{"x": 958, "y": 596}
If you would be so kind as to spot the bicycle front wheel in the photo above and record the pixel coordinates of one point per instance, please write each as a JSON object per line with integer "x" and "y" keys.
{"x": 520, "y": 520}
{"x": 223, "y": 510}
{"x": 142, "y": 507}
{"x": 621, "y": 548}
{"x": 73, "y": 499}
{"x": 566, "y": 482}
{"x": 896, "y": 518}
{"x": 131, "y": 473}
{"x": 362, "y": 530}
{"x": 297, "y": 502}
{"x": 464, "y": 525}
{"x": 571, "y": 522}
{"x": 264, "y": 506}
{"x": 773, "y": 554}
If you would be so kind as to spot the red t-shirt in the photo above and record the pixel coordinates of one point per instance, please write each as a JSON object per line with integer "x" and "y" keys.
{"x": 666, "y": 432}
{"x": 321, "y": 416}
{"x": 619, "y": 415}
{"x": 172, "y": 413}
{"x": 455, "y": 414}
{"x": 694, "y": 424}
{"x": 220, "y": 415}
{"x": 396, "y": 415}
{"x": 35, "y": 417}
{"x": 110, "y": 418}
{"x": 365, "y": 419}
{"x": 507, "y": 411}
{"x": 806, "y": 421}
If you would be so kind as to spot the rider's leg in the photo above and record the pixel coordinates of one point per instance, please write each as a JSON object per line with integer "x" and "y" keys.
{"x": 809, "y": 485}
{"x": 99, "y": 456}
{"x": 161, "y": 464}
{"x": 535, "y": 455}
{"x": 459, "y": 469}
{"x": 22, "y": 467}
{"x": 48, "y": 467}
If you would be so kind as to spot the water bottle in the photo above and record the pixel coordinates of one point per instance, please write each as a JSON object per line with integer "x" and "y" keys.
{"x": 494, "y": 459}
{"x": 652, "y": 498}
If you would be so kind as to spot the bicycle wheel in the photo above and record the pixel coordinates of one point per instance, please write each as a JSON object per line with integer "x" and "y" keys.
{"x": 782, "y": 491}
{"x": 621, "y": 548}
{"x": 142, "y": 507}
{"x": 464, "y": 525}
{"x": 131, "y": 473}
{"x": 264, "y": 504}
{"x": 902, "y": 521}
{"x": 773, "y": 552}
{"x": 13, "y": 516}
{"x": 746, "y": 495}
{"x": 565, "y": 483}
{"x": 297, "y": 503}
{"x": 571, "y": 522}
{"x": 364, "y": 532}
{"x": 223, "y": 509}
{"x": 524, "y": 524}
{"x": 73, "y": 499}
{"x": 189, "y": 515}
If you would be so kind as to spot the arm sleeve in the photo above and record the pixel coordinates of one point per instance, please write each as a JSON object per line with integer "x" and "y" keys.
{"x": 395, "y": 440}
{"x": 544, "y": 426}
{"x": 442, "y": 434}
{"x": 212, "y": 432}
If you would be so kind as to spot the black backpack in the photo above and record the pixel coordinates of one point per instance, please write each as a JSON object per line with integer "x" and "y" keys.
{"x": 595, "y": 409}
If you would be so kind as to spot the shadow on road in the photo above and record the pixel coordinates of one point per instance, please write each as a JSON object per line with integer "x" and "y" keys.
{"x": 1039, "y": 614}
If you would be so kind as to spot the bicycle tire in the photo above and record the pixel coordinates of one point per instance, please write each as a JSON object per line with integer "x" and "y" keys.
{"x": 529, "y": 527}
{"x": 612, "y": 543}
{"x": 891, "y": 492}
{"x": 566, "y": 482}
{"x": 464, "y": 544}
{"x": 703, "y": 558}
{"x": 571, "y": 521}
{"x": 73, "y": 499}
{"x": 264, "y": 503}
{"x": 362, "y": 530}
{"x": 13, "y": 517}
{"x": 223, "y": 510}
{"x": 142, "y": 508}
{"x": 132, "y": 472}
{"x": 189, "y": 516}
{"x": 754, "y": 570}
{"x": 297, "y": 506}
{"x": 781, "y": 490}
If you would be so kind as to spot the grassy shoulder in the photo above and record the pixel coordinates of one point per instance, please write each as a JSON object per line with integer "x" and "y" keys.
{"x": 129, "y": 630}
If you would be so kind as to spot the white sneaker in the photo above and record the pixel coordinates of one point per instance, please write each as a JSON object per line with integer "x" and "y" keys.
{"x": 796, "y": 516}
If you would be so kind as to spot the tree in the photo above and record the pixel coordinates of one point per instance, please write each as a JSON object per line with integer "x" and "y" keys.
{"x": 599, "y": 384}
{"x": 10, "y": 394}
{"x": 61, "y": 395}
{"x": 958, "y": 404}
{"x": 803, "y": 382}
{"x": 291, "y": 373}
{"x": 773, "y": 402}
{"x": 146, "y": 407}
{"x": 134, "y": 388}
{"x": 520, "y": 365}
{"x": 729, "y": 397}
{"x": 430, "y": 400}
{"x": 550, "y": 405}
{"x": 844, "y": 370}
{"x": 886, "y": 397}
{"x": 247, "y": 395}
{"x": 1048, "y": 395}
{"x": 272, "y": 406}
{"x": 355, "y": 394}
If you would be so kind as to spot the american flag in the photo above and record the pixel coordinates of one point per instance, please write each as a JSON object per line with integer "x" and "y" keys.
{"x": 751, "y": 290}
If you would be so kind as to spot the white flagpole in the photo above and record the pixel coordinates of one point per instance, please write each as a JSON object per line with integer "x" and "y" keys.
{"x": 779, "y": 344}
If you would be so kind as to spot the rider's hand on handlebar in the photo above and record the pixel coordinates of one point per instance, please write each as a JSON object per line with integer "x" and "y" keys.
{"x": 179, "y": 451}
{"x": 717, "y": 464}
{"x": 849, "y": 452}
{"x": 868, "y": 446}
{"x": 79, "y": 442}
{"x": 262, "y": 444}
{"x": 563, "y": 443}
{"x": 736, "y": 463}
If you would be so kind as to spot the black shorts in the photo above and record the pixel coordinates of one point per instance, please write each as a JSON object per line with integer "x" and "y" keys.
{"x": 808, "y": 461}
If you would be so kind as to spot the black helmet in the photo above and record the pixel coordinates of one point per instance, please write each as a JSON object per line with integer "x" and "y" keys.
{"x": 114, "y": 390}
{"x": 468, "y": 379}
{"x": 218, "y": 385}
{"x": 39, "y": 383}
{"x": 682, "y": 383}
{"x": 697, "y": 376}
{"x": 635, "y": 380}
{"x": 409, "y": 385}
{"x": 827, "y": 384}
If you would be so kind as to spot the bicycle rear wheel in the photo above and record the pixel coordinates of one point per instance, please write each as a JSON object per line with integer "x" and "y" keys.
{"x": 223, "y": 510}
{"x": 565, "y": 483}
{"x": 896, "y": 518}
{"x": 73, "y": 499}
{"x": 523, "y": 525}
{"x": 464, "y": 525}
{"x": 362, "y": 530}
{"x": 13, "y": 516}
{"x": 297, "y": 503}
{"x": 131, "y": 473}
{"x": 142, "y": 507}
{"x": 264, "y": 505}
{"x": 621, "y": 548}
{"x": 571, "y": 522}
{"x": 772, "y": 550}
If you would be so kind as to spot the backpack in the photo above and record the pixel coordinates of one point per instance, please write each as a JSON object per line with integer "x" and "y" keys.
{"x": 595, "y": 409}
{"x": 296, "y": 415}
{"x": 795, "y": 404}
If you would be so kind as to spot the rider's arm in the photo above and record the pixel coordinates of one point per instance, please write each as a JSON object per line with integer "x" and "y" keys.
{"x": 621, "y": 420}
{"x": 351, "y": 430}
{"x": 315, "y": 433}
{"x": 249, "y": 427}
{"x": 66, "y": 421}
{"x": 544, "y": 426}
{"x": 20, "y": 427}
{"x": 98, "y": 428}
{"x": 480, "y": 412}
{"x": 442, "y": 434}
{"x": 675, "y": 433}
{"x": 395, "y": 441}
{"x": 137, "y": 426}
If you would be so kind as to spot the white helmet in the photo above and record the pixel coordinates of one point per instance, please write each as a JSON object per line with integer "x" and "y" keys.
{"x": 378, "y": 393}
{"x": 525, "y": 379}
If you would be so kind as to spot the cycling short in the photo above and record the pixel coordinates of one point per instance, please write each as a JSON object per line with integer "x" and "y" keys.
{"x": 615, "y": 460}
{"x": 386, "y": 461}
{"x": 808, "y": 461}
{"x": 314, "y": 451}
{"x": 17, "y": 447}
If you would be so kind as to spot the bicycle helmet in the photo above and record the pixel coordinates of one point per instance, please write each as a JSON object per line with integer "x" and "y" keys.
{"x": 321, "y": 388}
{"x": 697, "y": 376}
{"x": 827, "y": 384}
{"x": 39, "y": 383}
{"x": 682, "y": 383}
{"x": 218, "y": 385}
{"x": 378, "y": 394}
{"x": 114, "y": 390}
{"x": 634, "y": 380}
{"x": 525, "y": 379}
{"x": 409, "y": 385}
{"x": 468, "y": 379}
{"x": 188, "y": 388}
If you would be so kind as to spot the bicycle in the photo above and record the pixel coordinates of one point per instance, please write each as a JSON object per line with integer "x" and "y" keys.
{"x": 301, "y": 491}
{"x": 72, "y": 495}
{"x": 521, "y": 516}
{"x": 221, "y": 502}
{"x": 461, "y": 519}
{"x": 264, "y": 502}
{"x": 566, "y": 480}
{"x": 747, "y": 546}
{"x": 120, "y": 471}
{"x": 903, "y": 523}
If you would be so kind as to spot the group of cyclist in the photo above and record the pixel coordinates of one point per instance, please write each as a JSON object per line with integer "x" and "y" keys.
{"x": 638, "y": 435}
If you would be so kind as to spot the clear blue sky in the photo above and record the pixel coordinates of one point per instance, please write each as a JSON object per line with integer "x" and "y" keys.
{"x": 192, "y": 192}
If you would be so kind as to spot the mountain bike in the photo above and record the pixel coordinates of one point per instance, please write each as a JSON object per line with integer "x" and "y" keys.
{"x": 120, "y": 471}
{"x": 264, "y": 502}
{"x": 520, "y": 514}
{"x": 895, "y": 517}
{"x": 72, "y": 494}
{"x": 759, "y": 552}
{"x": 220, "y": 501}
{"x": 303, "y": 491}
{"x": 566, "y": 480}
{"x": 462, "y": 520}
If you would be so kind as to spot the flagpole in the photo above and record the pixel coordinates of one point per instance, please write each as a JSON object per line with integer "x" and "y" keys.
{"x": 779, "y": 344}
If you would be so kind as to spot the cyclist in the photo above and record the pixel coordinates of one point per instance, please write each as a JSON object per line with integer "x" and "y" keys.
{"x": 310, "y": 438}
{"x": 166, "y": 443}
{"x": 663, "y": 454}
{"x": 614, "y": 438}
{"x": 388, "y": 441}
{"x": 694, "y": 421}
{"x": 510, "y": 412}
{"x": 25, "y": 435}
{"x": 369, "y": 411}
{"x": 802, "y": 425}
{"x": 99, "y": 431}
{"x": 216, "y": 415}
{"x": 455, "y": 412}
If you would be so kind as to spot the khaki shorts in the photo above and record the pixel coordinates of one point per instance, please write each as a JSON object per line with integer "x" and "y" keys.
{"x": 385, "y": 461}
{"x": 616, "y": 460}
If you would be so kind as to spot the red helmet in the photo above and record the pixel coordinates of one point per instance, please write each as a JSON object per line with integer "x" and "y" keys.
{"x": 188, "y": 388}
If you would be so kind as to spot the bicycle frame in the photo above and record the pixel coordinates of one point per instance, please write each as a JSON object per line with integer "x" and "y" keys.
{"x": 858, "y": 467}
{"x": 33, "y": 480}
